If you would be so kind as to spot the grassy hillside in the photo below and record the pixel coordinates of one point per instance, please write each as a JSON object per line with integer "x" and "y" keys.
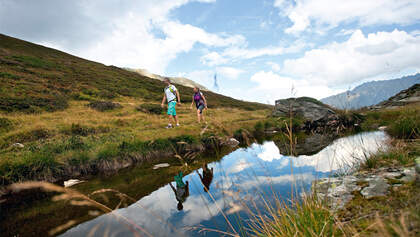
{"x": 49, "y": 103}
{"x": 36, "y": 78}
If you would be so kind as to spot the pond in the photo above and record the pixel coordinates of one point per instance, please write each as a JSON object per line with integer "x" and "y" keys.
{"x": 218, "y": 196}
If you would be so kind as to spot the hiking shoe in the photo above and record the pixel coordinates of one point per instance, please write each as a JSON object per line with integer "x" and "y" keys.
{"x": 177, "y": 125}
{"x": 169, "y": 126}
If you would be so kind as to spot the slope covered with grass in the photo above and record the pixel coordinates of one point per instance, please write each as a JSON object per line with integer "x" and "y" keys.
{"x": 59, "y": 111}
{"x": 36, "y": 78}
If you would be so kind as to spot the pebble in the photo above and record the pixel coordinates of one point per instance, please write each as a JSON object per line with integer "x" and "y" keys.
{"x": 72, "y": 182}
{"x": 19, "y": 145}
{"x": 162, "y": 165}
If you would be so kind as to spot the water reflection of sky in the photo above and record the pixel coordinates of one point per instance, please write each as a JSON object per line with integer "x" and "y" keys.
{"x": 244, "y": 175}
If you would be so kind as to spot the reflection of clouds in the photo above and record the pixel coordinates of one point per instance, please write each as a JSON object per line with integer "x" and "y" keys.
{"x": 153, "y": 212}
{"x": 239, "y": 166}
{"x": 248, "y": 170}
{"x": 345, "y": 152}
{"x": 276, "y": 180}
{"x": 269, "y": 152}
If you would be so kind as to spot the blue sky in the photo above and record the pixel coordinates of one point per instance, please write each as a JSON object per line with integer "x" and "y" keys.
{"x": 260, "y": 49}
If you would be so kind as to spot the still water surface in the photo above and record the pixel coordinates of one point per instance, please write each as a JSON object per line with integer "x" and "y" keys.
{"x": 239, "y": 179}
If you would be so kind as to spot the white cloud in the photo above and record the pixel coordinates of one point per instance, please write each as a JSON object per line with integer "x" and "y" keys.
{"x": 273, "y": 86}
{"x": 270, "y": 80}
{"x": 326, "y": 13}
{"x": 345, "y": 152}
{"x": 229, "y": 72}
{"x": 235, "y": 53}
{"x": 346, "y": 32}
{"x": 274, "y": 66}
{"x": 270, "y": 152}
{"x": 213, "y": 58}
{"x": 138, "y": 34}
{"x": 133, "y": 44}
{"x": 358, "y": 58}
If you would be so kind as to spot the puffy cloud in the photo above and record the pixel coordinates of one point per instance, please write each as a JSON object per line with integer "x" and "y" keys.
{"x": 229, "y": 72}
{"x": 273, "y": 86}
{"x": 274, "y": 66}
{"x": 241, "y": 52}
{"x": 206, "y": 77}
{"x": 138, "y": 34}
{"x": 358, "y": 58}
{"x": 326, "y": 13}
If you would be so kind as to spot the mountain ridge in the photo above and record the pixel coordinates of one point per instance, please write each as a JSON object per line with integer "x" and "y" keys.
{"x": 371, "y": 93}
{"x": 178, "y": 80}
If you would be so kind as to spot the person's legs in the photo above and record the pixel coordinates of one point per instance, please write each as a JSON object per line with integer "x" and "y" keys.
{"x": 172, "y": 114}
{"x": 198, "y": 115}
{"x": 176, "y": 120}
{"x": 171, "y": 119}
{"x": 202, "y": 116}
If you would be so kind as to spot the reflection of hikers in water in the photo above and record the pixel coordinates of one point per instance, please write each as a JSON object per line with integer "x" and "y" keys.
{"x": 181, "y": 191}
{"x": 207, "y": 177}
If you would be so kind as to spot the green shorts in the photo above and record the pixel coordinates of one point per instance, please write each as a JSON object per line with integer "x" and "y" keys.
{"x": 171, "y": 108}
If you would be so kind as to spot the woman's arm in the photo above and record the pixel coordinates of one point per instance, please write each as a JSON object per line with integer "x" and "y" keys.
{"x": 192, "y": 102}
{"x": 205, "y": 101}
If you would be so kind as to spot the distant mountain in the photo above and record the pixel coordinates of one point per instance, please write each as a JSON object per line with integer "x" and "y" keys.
{"x": 177, "y": 80}
{"x": 404, "y": 97}
{"x": 371, "y": 93}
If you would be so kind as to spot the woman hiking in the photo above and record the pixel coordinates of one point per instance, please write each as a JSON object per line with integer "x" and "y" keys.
{"x": 200, "y": 103}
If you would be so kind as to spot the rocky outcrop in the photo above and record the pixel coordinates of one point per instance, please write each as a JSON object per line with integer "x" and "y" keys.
{"x": 305, "y": 107}
{"x": 403, "y": 98}
{"x": 318, "y": 117}
{"x": 338, "y": 191}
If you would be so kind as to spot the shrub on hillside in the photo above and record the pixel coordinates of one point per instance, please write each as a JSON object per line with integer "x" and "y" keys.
{"x": 405, "y": 128}
{"x": 28, "y": 136}
{"x": 150, "y": 108}
{"x": 77, "y": 129}
{"x": 5, "y": 124}
{"x": 104, "y": 105}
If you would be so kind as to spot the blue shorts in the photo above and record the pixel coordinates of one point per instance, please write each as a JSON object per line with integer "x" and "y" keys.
{"x": 200, "y": 107}
{"x": 171, "y": 108}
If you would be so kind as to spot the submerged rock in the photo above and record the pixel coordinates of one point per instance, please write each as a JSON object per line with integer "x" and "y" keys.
{"x": 162, "y": 165}
{"x": 72, "y": 182}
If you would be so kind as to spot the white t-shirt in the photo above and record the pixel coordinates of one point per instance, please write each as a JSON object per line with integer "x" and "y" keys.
{"x": 170, "y": 92}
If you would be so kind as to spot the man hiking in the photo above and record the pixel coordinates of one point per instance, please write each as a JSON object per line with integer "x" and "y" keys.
{"x": 171, "y": 94}
{"x": 181, "y": 191}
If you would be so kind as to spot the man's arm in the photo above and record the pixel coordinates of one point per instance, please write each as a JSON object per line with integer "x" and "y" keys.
{"x": 163, "y": 100}
{"x": 177, "y": 95}
{"x": 170, "y": 184}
